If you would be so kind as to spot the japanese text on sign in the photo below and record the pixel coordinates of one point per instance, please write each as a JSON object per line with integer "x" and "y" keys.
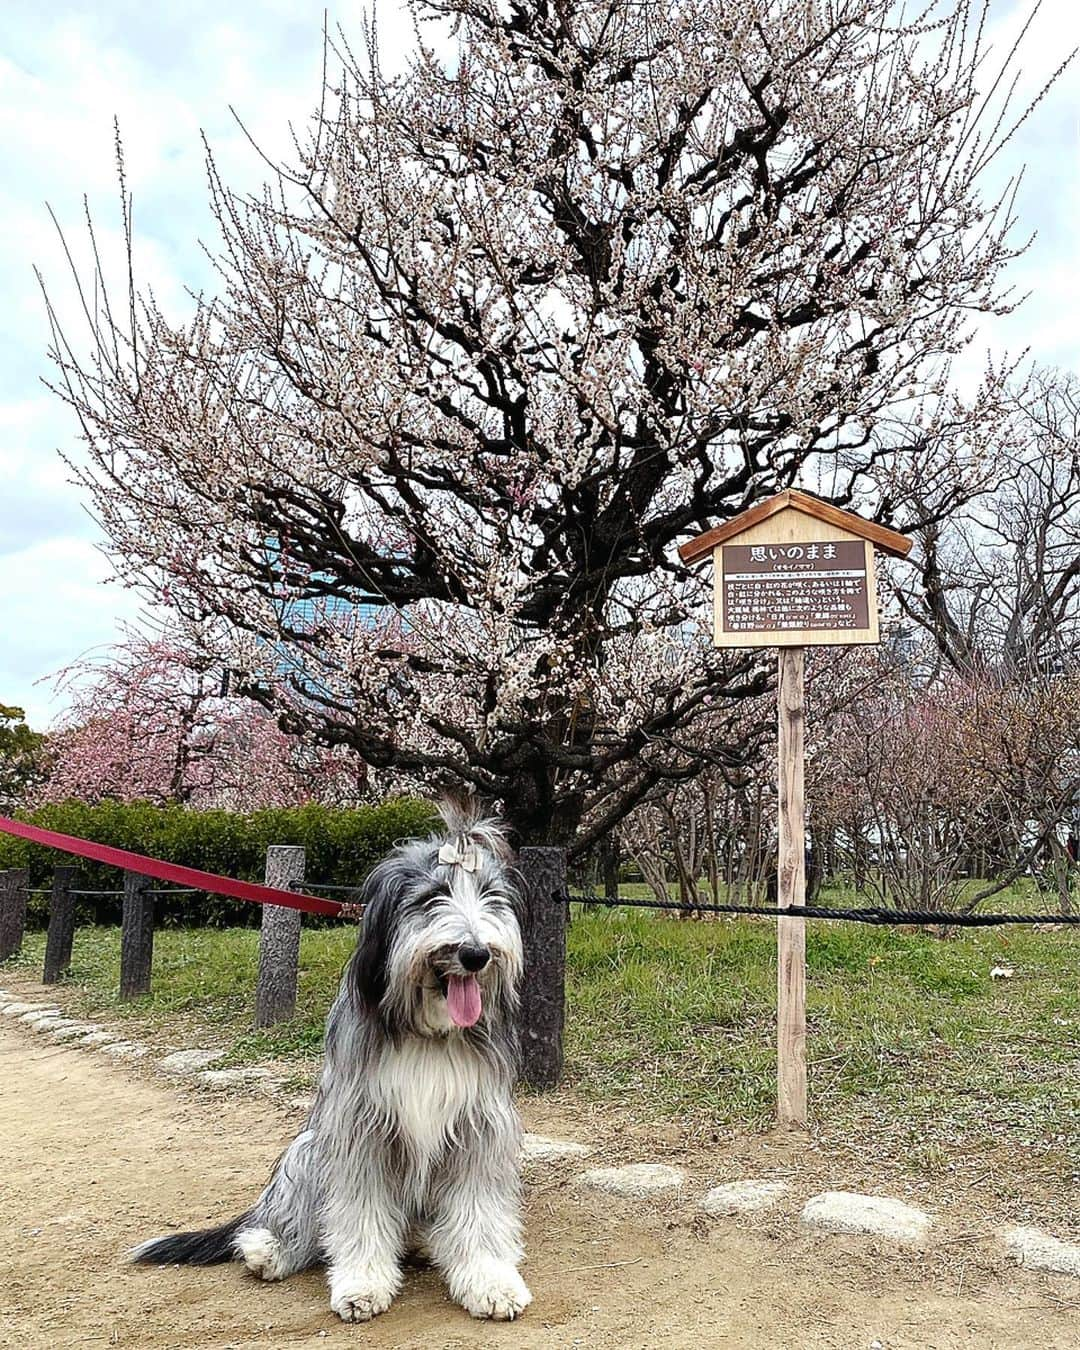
{"x": 813, "y": 586}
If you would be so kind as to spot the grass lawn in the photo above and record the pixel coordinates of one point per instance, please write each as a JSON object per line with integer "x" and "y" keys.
{"x": 669, "y": 1019}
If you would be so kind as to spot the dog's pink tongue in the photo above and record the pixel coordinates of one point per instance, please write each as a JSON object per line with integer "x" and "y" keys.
{"x": 463, "y": 1000}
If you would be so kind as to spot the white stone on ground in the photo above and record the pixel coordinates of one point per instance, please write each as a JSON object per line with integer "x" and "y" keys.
{"x": 538, "y": 1148}
{"x": 1039, "y": 1250}
{"x": 17, "y": 1009}
{"x": 189, "y": 1061}
{"x": 299, "y": 1103}
{"x": 58, "y": 1024}
{"x": 224, "y": 1078}
{"x": 98, "y": 1038}
{"x": 849, "y": 1212}
{"x": 127, "y": 1049}
{"x": 637, "y": 1179}
{"x": 31, "y": 1017}
{"x": 741, "y": 1197}
{"x": 72, "y": 1032}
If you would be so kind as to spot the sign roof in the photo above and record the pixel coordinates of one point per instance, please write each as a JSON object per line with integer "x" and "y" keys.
{"x": 889, "y": 541}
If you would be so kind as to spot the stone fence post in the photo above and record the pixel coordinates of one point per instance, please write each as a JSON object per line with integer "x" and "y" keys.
{"x": 61, "y": 926}
{"x": 279, "y": 940}
{"x": 136, "y": 936}
{"x": 14, "y": 893}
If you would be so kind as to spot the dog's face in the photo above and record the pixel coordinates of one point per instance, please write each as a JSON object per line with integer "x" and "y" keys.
{"x": 440, "y": 951}
{"x": 457, "y": 953}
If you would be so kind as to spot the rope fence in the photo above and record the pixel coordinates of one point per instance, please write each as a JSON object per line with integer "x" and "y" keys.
{"x": 869, "y": 914}
{"x": 285, "y": 894}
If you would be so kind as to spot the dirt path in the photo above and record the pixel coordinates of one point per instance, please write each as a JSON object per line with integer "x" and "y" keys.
{"x": 96, "y": 1156}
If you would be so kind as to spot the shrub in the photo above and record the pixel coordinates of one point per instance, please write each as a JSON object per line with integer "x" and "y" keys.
{"x": 342, "y": 844}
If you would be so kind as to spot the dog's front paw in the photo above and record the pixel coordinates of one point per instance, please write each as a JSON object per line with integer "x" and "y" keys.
{"x": 498, "y": 1292}
{"x": 361, "y": 1295}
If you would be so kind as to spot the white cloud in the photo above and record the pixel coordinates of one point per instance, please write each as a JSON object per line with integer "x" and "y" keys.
{"x": 56, "y": 605}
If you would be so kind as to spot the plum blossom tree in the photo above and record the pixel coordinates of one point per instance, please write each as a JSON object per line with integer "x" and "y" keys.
{"x": 712, "y": 835}
{"x": 922, "y": 785}
{"x": 716, "y": 835}
{"x": 148, "y": 721}
{"x": 514, "y": 324}
{"x": 998, "y": 584}
{"x": 895, "y": 785}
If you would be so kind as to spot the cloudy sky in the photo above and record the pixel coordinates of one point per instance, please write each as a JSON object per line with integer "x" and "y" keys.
{"x": 169, "y": 73}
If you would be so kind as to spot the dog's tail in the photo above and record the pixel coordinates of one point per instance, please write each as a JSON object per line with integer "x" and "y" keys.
{"x": 204, "y": 1247}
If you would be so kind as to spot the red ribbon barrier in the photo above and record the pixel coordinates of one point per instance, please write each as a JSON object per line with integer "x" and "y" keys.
{"x": 182, "y": 876}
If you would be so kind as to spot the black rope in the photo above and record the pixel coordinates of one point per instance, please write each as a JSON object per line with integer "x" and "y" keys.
{"x": 873, "y": 914}
{"x": 317, "y": 886}
{"x": 172, "y": 890}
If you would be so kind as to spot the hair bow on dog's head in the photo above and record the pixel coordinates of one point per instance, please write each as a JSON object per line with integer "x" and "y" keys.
{"x": 461, "y": 854}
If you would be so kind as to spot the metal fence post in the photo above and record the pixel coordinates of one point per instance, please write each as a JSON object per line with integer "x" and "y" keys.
{"x": 543, "y": 994}
{"x": 61, "y": 926}
{"x": 14, "y": 893}
{"x": 136, "y": 936}
{"x": 279, "y": 939}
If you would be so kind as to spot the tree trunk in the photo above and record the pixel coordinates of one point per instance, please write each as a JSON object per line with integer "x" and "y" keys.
{"x": 815, "y": 867}
{"x": 538, "y": 814}
{"x": 610, "y": 863}
{"x": 1062, "y": 866}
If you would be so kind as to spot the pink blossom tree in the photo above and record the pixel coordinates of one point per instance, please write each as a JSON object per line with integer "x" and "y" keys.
{"x": 148, "y": 720}
{"x": 512, "y": 326}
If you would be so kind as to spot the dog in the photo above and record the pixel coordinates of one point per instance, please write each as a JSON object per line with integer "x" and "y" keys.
{"x": 413, "y": 1142}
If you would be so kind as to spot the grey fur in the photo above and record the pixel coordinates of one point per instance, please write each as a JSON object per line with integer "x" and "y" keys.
{"x": 413, "y": 1141}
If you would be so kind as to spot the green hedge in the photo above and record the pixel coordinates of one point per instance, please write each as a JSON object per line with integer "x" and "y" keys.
{"x": 341, "y": 844}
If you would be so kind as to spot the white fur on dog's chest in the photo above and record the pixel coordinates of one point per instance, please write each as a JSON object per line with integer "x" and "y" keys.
{"x": 426, "y": 1086}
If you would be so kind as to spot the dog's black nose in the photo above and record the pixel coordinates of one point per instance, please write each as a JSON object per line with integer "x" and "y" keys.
{"x": 473, "y": 957}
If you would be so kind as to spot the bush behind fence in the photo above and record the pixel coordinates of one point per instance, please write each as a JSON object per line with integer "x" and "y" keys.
{"x": 342, "y": 844}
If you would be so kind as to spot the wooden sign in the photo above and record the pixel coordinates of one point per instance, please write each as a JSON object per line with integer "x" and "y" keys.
{"x": 791, "y": 594}
{"x": 793, "y": 572}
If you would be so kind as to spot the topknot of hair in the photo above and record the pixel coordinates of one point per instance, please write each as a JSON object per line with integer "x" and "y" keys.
{"x": 467, "y": 819}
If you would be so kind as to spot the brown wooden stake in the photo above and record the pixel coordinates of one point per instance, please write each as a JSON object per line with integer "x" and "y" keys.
{"x": 791, "y": 890}
{"x": 543, "y": 990}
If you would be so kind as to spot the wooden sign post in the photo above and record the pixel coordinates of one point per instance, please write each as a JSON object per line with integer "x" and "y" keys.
{"x": 793, "y": 572}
